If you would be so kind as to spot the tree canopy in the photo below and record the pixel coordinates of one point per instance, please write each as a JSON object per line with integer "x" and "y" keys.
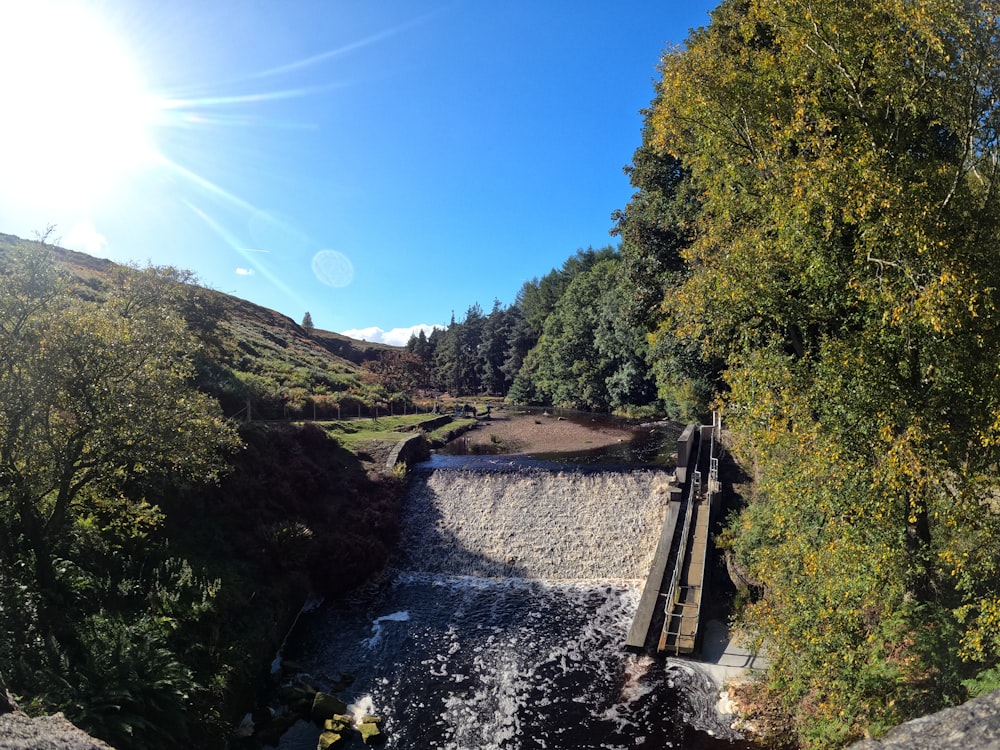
{"x": 97, "y": 416}
{"x": 839, "y": 222}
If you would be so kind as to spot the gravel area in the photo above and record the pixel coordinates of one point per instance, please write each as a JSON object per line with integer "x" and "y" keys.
{"x": 538, "y": 433}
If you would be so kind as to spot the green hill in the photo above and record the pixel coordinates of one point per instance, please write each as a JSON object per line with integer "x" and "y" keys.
{"x": 252, "y": 353}
{"x": 154, "y": 553}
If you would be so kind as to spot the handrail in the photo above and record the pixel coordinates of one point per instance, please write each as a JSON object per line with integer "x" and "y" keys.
{"x": 681, "y": 550}
{"x": 675, "y": 611}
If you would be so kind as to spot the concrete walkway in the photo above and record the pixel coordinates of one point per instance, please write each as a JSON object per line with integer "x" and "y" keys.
{"x": 722, "y": 659}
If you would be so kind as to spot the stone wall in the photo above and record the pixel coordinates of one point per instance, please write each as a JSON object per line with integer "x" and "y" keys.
{"x": 974, "y": 725}
{"x": 412, "y": 450}
{"x": 432, "y": 424}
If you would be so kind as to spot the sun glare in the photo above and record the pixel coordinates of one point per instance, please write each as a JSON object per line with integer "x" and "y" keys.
{"x": 76, "y": 116}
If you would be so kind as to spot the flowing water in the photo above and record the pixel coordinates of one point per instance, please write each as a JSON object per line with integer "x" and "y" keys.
{"x": 501, "y": 624}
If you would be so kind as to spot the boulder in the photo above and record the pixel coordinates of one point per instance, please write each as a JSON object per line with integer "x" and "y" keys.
{"x": 328, "y": 739}
{"x": 370, "y": 732}
{"x": 326, "y": 706}
{"x": 339, "y": 723}
{"x": 18, "y": 732}
{"x": 975, "y": 724}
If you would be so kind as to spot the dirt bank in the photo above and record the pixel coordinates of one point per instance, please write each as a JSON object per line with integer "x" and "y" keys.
{"x": 539, "y": 433}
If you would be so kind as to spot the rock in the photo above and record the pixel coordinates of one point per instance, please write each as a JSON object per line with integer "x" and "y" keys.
{"x": 326, "y": 706}
{"x": 342, "y": 681}
{"x": 246, "y": 726}
{"x": 371, "y": 720}
{"x": 290, "y": 668}
{"x": 297, "y": 700}
{"x": 18, "y": 732}
{"x": 328, "y": 739}
{"x": 370, "y": 733}
{"x": 975, "y": 724}
{"x": 339, "y": 723}
{"x": 271, "y": 734}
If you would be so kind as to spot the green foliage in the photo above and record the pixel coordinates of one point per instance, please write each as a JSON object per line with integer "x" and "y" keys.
{"x": 827, "y": 248}
{"x": 538, "y": 297}
{"x": 985, "y": 682}
{"x": 589, "y": 355}
{"x": 565, "y": 367}
{"x": 96, "y": 411}
{"x": 93, "y": 397}
{"x": 120, "y": 682}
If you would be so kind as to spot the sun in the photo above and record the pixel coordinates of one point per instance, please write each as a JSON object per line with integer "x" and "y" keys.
{"x": 76, "y": 116}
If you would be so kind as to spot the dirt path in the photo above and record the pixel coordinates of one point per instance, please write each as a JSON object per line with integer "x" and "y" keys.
{"x": 538, "y": 433}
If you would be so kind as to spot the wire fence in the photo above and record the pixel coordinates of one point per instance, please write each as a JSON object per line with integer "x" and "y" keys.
{"x": 258, "y": 412}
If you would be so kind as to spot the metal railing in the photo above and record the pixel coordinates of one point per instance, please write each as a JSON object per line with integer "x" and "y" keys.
{"x": 672, "y": 590}
{"x": 674, "y": 620}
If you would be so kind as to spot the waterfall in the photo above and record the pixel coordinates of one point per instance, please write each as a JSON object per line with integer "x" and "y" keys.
{"x": 534, "y": 524}
{"x": 502, "y": 623}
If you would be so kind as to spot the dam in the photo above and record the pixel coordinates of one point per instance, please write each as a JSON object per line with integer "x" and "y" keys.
{"x": 534, "y": 524}
{"x": 502, "y": 622}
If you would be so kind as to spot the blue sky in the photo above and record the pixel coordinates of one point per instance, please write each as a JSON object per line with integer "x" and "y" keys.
{"x": 378, "y": 164}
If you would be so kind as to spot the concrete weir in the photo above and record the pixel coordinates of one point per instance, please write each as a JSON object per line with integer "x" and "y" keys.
{"x": 643, "y": 623}
{"x": 669, "y": 612}
{"x": 534, "y": 524}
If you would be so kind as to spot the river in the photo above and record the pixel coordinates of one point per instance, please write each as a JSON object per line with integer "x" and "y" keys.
{"x": 500, "y": 625}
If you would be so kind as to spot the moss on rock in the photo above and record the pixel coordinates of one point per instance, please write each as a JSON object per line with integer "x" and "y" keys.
{"x": 326, "y": 706}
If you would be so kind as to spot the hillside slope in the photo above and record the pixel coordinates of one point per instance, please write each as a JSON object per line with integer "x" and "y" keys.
{"x": 252, "y": 353}
{"x": 174, "y": 586}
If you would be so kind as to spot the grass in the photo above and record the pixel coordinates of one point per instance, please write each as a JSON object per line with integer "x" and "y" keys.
{"x": 443, "y": 434}
{"x": 354, "y": 434}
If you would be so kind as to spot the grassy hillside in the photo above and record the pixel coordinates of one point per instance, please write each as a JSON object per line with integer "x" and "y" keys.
{"x": 176, "y": 593}
{"x": 252, "y": 353}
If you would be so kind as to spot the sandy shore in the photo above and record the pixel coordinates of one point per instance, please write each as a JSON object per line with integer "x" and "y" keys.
{"x": 538, "y": 433}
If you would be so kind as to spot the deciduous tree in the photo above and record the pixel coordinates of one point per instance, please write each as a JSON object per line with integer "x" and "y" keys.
{"x": 94, "y": 397}
{"x": 842, "y": 163}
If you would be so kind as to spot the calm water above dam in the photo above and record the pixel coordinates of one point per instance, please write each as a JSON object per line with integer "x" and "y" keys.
{"x": 502, "y": 621}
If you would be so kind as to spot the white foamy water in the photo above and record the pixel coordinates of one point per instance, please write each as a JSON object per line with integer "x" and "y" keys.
{"x": 535, "y": 524}
{"x": 502, "y": 626}
{"x": 376, "y": 635}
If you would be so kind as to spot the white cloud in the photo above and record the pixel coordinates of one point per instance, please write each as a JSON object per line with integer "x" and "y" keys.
{"x": 395, "y": 337}
{"x": 244, "y": 272}
{"x": 84, "y": 237}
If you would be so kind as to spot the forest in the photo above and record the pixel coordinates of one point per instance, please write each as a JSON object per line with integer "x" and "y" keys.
{"x": 578, "y": 337}
{"x": 811, "y": 250}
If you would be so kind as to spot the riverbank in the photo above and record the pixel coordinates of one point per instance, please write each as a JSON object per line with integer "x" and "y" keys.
{"x": 517, "y": 433}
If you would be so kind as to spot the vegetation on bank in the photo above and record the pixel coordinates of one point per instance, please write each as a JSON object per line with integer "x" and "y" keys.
{"x": 152, "y": 552}
{"x": 817, "y": 203}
